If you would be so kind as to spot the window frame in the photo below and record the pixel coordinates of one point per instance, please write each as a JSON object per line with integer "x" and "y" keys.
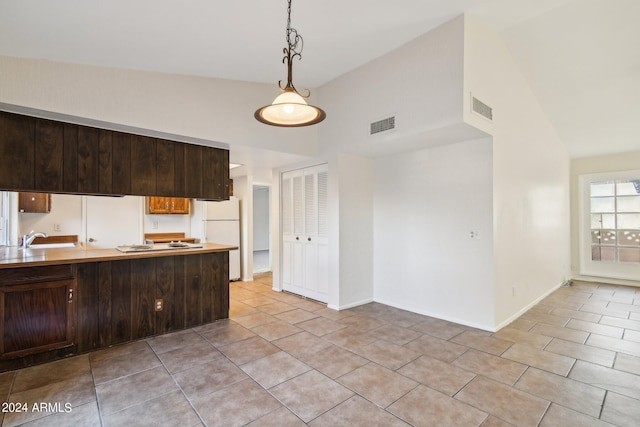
{"x": 589, "y": 267}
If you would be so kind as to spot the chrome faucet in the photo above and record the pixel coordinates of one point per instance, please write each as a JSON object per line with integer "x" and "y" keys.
{"x": 27, "y": 239}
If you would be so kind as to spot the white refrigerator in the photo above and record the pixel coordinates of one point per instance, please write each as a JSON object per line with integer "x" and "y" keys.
{"x": 221, "y": 224}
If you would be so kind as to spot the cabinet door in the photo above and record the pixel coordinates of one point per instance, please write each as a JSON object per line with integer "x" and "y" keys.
{"x": 221, "y": 176}
{"x": 105, "y": 161}
{"x": 36, "y": 317}
{"x": 179, "y": 206}
{"x": 34, "y": 202}
{"x": 193, "y": 171}
{"x": 49, "y": 148}
{"x": 121, "y": 170}
{"x": 70, "y": 158}
{"x": 292, "y": 231}
{"x": 88, "y": 160}
{"x": 143, "y": 165}
{"x": 165, "y": 167}
{"x": 17, "y": 134}
{"x": 158, "y": 205}
{"x": 305, "y": 232}
{"x": 215, "y": 174}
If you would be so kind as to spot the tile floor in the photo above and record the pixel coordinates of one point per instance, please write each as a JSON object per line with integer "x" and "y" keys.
{"x": 572, "y": 360}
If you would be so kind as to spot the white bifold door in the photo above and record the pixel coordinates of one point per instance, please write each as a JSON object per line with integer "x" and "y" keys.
{"x": 305, "y": 260}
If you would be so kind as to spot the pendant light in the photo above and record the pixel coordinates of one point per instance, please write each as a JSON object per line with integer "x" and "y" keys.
{"x": 290, "y": 109}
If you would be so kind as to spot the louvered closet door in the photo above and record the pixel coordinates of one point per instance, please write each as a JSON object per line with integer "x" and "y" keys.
{"x": 305, "y": 232}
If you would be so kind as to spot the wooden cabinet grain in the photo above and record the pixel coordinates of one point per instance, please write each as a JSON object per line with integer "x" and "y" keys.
{"x": 215, "y": 176}
{"x": 167, "y": 205}
{"x": 193, "y": 171}
{"x": 165, "y": 168}
{"x": 116, "y": 298}
{"x": 49, "y": 156}
{"x": 17, "y": 148}
{"x": 143, "y": 165}
{"x": 121, "y": 168}
{"x": 38, "y": 308}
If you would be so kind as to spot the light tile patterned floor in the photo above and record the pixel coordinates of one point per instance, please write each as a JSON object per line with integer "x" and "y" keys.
{"x": 572, "y": 360}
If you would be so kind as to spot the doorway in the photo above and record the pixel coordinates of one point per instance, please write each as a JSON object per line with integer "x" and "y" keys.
{"x": 261, "y": 218}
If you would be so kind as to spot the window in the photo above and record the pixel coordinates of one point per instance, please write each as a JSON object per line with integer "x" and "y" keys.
{"x": 611, "y": 225}
{"x": 615, "y": 221}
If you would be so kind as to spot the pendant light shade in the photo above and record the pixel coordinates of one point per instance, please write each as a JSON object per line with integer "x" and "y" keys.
{"x": 290, "y": 109}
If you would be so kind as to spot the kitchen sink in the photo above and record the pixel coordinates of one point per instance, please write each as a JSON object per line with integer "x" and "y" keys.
{"x": 158, "y": 247}
{"x": 53, "y": 245}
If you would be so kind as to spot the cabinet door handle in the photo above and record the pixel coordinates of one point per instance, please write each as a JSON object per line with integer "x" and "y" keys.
{"x": 173, "y": 205}
{"x": 297, "y": 238}
{"x": 70, "y": 296}
{"x": 309, "y": 239}
{"x": 166, "y": 205}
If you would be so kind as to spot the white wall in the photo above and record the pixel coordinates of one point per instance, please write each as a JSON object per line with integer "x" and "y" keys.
{"x": 66, "y": 211}
{"x": 195, "y": 107}
{"x": 420, "y": 83}
{"x": 155, "y": 223}
{"x": 356, "y": 231}
{"x": 426, "y": 204}
{"x": 260, "y": 218}
{"x": 4, "y": 217}
{"x": 530, "y": 176}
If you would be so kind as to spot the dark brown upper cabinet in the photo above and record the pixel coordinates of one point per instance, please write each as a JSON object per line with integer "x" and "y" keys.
{"x": 165, "y": 167}
{"x": 215, "y": 182}
{"x": 193, "y": 171}
{"x": 121, "y": 163}
{"x": 17, "y": 152}
{"x": 49, "y": 155}
{"x": 42, "y": 155}
{"x": 143, "y": 165}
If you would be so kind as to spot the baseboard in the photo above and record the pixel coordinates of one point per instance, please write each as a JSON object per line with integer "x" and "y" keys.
{"x": 607, "y": 280}
{"x": 438, "y": 316}
{"x": 527, "y": 307}
{"x": 351, "y": 305}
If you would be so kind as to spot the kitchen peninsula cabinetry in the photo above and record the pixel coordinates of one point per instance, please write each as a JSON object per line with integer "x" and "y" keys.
{"x": 53, "y": 311}
{"x": 42, "y": 155}
{"x": 38, "y": 309}
{"x": 117, "y": 299}
{"x": 167, "y": 205}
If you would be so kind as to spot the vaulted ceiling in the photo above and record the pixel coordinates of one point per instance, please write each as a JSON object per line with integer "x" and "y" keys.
{"x": 580, "y": 57}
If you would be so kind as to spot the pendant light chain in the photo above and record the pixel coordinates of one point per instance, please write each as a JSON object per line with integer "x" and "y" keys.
{"x": 293, "y": 38}
{"x": 290, "y": 109}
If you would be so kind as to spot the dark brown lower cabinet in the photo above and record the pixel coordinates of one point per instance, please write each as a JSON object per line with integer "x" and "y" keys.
{"x": 117, "y": 299}
{"x": 107, "y": 303}
{"x": 38, "y": 310}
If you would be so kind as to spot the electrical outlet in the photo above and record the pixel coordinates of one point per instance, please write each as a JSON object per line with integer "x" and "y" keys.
{"x": 473, "y": 234}
{"x": 159, "y": 304}
{"x": 154, "y": 224}
{"x": 57, "y": 227}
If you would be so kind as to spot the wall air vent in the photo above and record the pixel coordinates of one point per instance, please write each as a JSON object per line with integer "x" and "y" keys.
{"x": 383, "y": 125}
{"x": 481, "y": 108}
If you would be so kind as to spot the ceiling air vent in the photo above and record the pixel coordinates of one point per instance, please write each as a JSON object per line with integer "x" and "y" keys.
{"x": 481, "y": 108}
{"x": 383, "y": 125}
